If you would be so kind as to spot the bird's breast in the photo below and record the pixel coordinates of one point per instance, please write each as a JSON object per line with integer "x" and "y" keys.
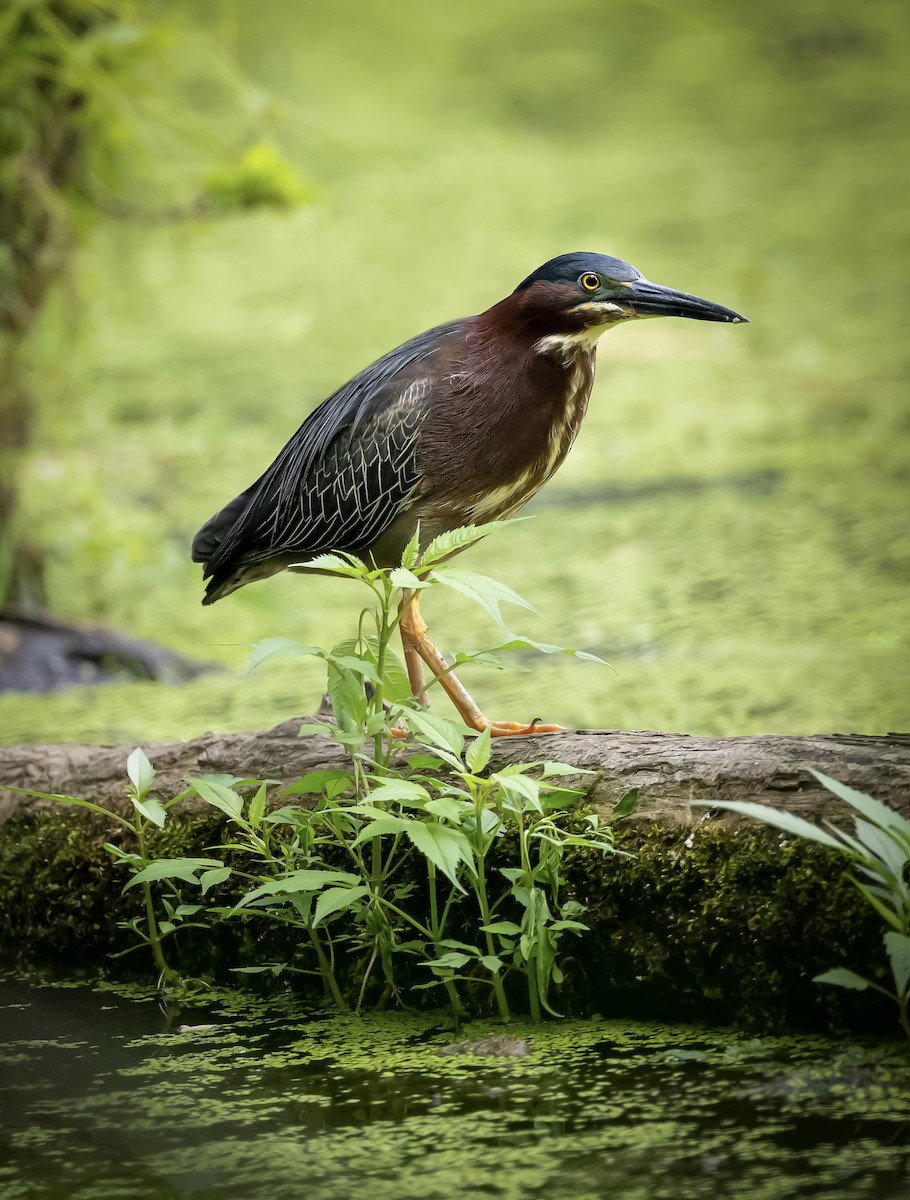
{"x": 525, "y": 453}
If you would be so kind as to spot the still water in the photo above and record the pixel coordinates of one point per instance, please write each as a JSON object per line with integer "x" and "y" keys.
{"x": 104, "y": 1095}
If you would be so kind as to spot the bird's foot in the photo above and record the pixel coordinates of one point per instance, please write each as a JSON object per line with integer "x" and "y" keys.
{"x": 518, "y": 728}
{"x": 497, "y": 728}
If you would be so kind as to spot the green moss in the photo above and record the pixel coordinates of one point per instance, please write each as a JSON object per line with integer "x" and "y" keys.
{"x": 726, "y": 923}
{"x": 719, "y": 923}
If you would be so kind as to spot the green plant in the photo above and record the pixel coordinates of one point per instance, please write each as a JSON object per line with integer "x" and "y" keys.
{"x": 437, "y": 807}
{"x": 472, "y": 812}
{"x": 164, "y": 911}
{"x": 404, "y": 869}
{"x": 879, "y": 853}
{"x": 402, "y": 853}
{"x": 367, "y": 682}
{"x": 261, "y": 177}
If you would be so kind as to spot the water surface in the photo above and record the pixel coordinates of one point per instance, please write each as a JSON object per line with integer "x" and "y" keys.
{"x": 104, "y": 1096}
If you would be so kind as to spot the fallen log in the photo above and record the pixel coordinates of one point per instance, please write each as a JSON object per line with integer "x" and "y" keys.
{"x": 670, "y": 770}
{"x": 706, "y": 918}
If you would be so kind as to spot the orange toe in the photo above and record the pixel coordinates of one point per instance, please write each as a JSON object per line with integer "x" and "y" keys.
{"x": 519, "y": 729}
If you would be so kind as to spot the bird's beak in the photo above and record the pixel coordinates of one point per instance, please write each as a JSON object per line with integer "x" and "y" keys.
{"x": 647, "y": 299}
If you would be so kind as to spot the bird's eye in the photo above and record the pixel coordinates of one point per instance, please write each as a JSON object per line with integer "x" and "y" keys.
{"x": 589, "y": 281}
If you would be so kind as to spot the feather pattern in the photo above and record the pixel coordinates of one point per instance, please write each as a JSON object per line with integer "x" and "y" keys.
{"x": 339, "y": 482}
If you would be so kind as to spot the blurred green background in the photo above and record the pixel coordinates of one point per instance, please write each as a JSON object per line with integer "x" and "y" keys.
{"x": 731, "y": 530}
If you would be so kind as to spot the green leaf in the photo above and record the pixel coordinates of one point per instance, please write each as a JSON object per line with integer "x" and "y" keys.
{"x": 843, "y": 978}
{"x": 116, "y": 852}
{"x": 447, "y": 808}
{"x": 278, "y": 647}
{"x": 521, "y": 790}
{"x": 333, "y": 899}
{"x": 883, "y": 846}
{"x": 453, "y": 959}
{"x": 424, "y": 762}
{"x": 74, "y": 800}
{"x": 486, "y": 658}
{"x": 402, "y": 578}
{"x": 488, "y": 593}
{"x": 172, "y": 868}
{"x": 399, "y": 791}
{"x": 551, "y": 769}
{"x": 152, "y": 810}
{"x": 626, "y": 805}
{"x": 520, "y": 642}
{"x": 411, "y": 551}
{"x": 311, "y": 728}
{"x": 382, "y": 824}
{"x": 210, "y": 879}
{"x": 140, "y": 771}
{"x": 287, "y": 815}
{"x": 774, "y": 816}
{"x": 336, "y": 564}
{"x": 451, "y": 542}
{"x": 898, "y": 947}
{"x": 872, "y": 809}
{"x": 223, "y": 798}
{"x": 375, "y": 723}
{"x": 478, "y": 752}
{"x": 348, "y": 698}
{"x": 438, "y": 731}
{"x": 395, "y": 682}
{"x": 507, "y": 927}
{"x": 224, "y": 778}
{"x": 444, "y": 846}
{"x": 257, "y": 805}
{"x": 304, "y": 880}
{"x": 357, "y": 664}
{"x": 491, "y": 962}
{"x": 315, "y": 782}
{"x": 887, "y": 914}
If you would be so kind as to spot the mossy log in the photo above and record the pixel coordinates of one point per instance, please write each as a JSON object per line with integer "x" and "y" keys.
{"x": 708, "y": 918}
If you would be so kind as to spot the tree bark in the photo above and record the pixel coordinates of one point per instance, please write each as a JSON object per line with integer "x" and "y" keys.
{"x": 670, "y": 769}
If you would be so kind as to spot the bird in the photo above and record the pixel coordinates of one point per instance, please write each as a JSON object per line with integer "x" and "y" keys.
{"x": 461, "y": 425}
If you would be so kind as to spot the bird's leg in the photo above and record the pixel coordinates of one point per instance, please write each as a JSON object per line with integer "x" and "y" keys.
{"x": 417, "y": 646}
{"x": 409, "y": 642}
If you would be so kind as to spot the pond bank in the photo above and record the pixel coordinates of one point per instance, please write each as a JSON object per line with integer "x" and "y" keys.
{"x": 704, "y": 920}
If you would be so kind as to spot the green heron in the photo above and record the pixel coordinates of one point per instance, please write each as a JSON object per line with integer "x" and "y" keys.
{"x": 461, "y": 425}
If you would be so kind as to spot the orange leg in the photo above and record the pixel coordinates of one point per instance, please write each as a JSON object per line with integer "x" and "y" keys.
{"x": 418, "y": 648}
{"x": 409, "y": 641}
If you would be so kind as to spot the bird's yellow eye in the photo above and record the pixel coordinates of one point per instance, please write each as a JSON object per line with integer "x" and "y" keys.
{"x": 589, "y": 281}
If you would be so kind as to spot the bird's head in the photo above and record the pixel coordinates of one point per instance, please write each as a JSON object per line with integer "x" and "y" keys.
{"x": 571, "y": 300}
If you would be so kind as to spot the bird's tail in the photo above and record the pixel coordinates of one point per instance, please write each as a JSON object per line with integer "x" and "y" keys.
{"x": 210, "y": 548}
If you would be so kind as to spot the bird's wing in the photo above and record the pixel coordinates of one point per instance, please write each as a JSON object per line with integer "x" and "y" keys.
{"x": 345, "y": 474}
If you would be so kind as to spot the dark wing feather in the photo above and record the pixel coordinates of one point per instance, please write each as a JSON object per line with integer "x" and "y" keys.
{"x": 339, "y": 482}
